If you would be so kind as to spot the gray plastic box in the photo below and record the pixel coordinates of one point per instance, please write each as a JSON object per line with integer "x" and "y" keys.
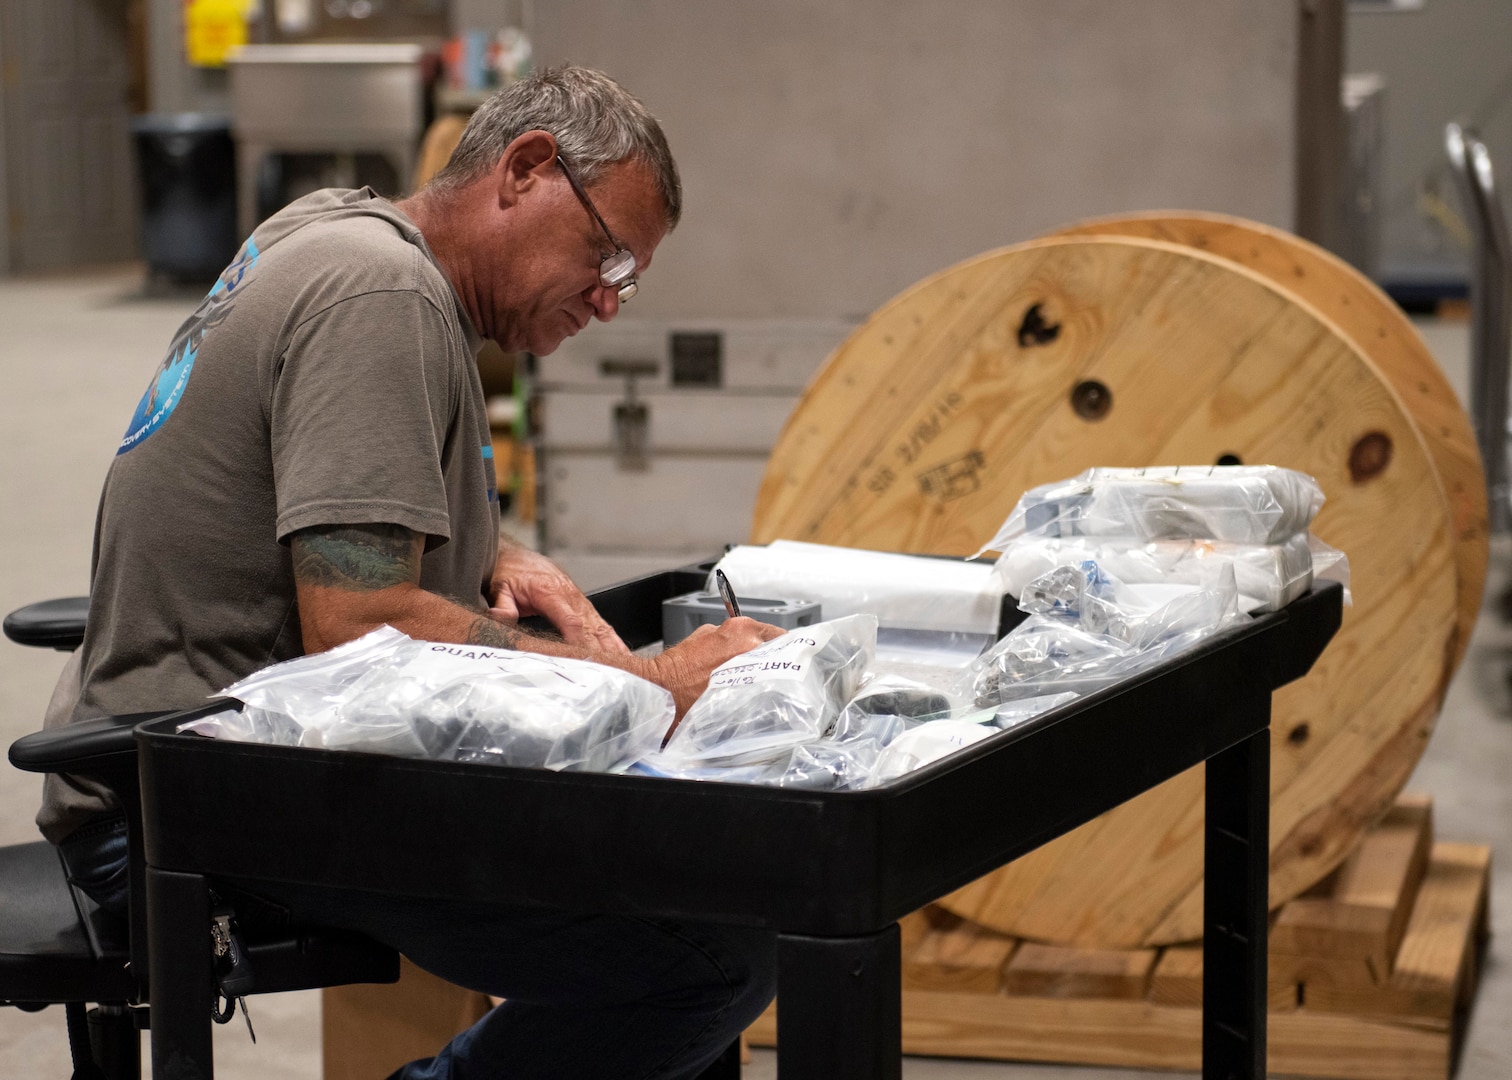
{"x": 681, "y": 615}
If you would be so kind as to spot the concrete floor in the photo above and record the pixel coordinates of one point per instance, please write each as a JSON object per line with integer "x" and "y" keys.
{"x": 77, "y": 353}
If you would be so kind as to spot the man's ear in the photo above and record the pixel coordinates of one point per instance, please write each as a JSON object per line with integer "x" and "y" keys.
{"x": 524, "y": 162}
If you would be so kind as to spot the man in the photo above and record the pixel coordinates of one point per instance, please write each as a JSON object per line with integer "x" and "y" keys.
{"x": 312, "y": 461}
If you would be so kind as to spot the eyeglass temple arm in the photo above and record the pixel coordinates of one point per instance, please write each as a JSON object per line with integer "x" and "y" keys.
{"x": 587, "y": 201}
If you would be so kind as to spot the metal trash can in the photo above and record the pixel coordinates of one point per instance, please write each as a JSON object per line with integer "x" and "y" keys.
{"x": 186, "y": 164}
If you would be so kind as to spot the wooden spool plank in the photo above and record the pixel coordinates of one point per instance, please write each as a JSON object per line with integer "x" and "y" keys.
{"x": 1360, "y": 911}
{"x": 1382, "y": 332}
{"x": 1065, "y": 971}
{"x": 926, "y": 425}
{"x": 1177, "y": 980}
{"x": 957, "y": 955}
{"x": 1142, "y": 1035}
{"x": 1435, "y": 968}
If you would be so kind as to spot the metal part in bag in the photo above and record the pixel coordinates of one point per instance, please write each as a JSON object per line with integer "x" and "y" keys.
{"x": 454, "y": 703}
{"x": 1089, "y": 630}
{"x": 469, "y": 703}
{"x": 829, "y": 764}
{"x": 681, "y": 615}
{"x": 1140, "y": 615}
{"x": 893, "y": 696}
{"x": 781, "y": 694}
{"x": 1268, "y": 576}
{"x": 1242, "y": 504}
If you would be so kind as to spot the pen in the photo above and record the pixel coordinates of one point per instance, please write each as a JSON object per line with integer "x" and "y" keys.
{"x": 727, "y": 594}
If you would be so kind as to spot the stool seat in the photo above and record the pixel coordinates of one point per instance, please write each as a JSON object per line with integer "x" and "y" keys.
{"x": 56, "y": 944}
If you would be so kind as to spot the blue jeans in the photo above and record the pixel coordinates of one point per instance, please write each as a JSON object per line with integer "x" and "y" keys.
{"x": 94, "y": 856}
{"x": 590, "y": 997}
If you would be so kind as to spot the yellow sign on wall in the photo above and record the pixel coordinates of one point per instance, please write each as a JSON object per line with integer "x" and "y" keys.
{"x": 212, "y": 28}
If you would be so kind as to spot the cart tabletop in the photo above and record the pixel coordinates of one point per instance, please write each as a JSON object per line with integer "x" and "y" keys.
{"x": 826, "y": 863}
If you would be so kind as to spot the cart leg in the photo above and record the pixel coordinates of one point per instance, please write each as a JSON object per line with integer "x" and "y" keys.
{"x": 840, "y": 1016}
{"x": 179, "y": 966}
{"x": 1237, "y": 850}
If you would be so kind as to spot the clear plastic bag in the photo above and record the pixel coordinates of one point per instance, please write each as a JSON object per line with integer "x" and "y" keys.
{"x": 828, "y": 764}
{"x": 1013, "y": 713}
{"x": 1268, "y": 576}
{"x": 893, "y": 696}
{"x": 302, "y": 695}
{"x": 905, "y": 591}
{"x": 1139, "y": 615}
{"x": 1330, "y": 564}
{"x": 452, "y": 703}
{"x": 1240, "y": 504}
{"x": 1088, "y": 630}
{"x": 781, "y": 694}
{"x": 923, "y": 744}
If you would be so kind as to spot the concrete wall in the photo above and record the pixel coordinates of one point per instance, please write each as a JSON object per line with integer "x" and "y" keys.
{"x": 5, "y": 142}
{"x": 1449, "y": 60}
{"x": 172, "y": 85}
{"x": 834, "y": 154}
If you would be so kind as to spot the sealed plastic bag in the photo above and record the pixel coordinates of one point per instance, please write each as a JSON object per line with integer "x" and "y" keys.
{"x": 302, "y": 695}
{"x": 889, "y": 695}
{"x": 390, "y": 694}
{"x": 1268, "y": 576}
{"x": 826, "y": 764}
{"x": 781, "y": 694}
{"x": 1013, "y": 713}
{"x": 921, "y": 745}
{"x": 1140, "y": 615}
{"x": 1089, "y": 631}
{"x": 1240, "y": 504}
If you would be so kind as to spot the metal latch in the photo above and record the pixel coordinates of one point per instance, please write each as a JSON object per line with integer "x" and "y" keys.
{"x": 632, "y": 417}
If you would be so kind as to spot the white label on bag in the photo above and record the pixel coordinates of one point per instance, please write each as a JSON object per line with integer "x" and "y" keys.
{"x": 783, "y": 659}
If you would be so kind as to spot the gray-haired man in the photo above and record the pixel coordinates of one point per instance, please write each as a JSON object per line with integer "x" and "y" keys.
{"x": 311, "y": 461}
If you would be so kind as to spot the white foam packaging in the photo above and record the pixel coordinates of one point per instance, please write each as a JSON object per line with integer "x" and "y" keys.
{"x": 903, "y": 591}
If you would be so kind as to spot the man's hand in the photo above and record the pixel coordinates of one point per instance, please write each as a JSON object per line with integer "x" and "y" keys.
{"x": 527, "y": 583}
{"x": 684, "y": 668}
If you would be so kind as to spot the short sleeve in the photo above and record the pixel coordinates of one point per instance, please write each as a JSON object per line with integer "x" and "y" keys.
{"x": 358, "y": 417}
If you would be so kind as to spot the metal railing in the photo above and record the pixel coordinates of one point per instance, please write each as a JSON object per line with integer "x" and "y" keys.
{"x": 1491, "y": 312}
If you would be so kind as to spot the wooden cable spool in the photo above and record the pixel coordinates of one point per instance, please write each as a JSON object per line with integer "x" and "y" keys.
{"x": 1379, "y": 329}
{"x": 1035, "y": 362}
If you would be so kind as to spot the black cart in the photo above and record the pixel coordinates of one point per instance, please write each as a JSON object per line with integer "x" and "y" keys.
{"x": 831, "y": 872}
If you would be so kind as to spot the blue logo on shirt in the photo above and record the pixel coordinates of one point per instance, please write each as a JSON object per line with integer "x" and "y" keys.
{"x": 491, "y": 477}
{"x": 172, "y": 375}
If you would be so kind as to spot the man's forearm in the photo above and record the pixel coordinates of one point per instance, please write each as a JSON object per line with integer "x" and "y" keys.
{"x": 352, "y": 579}
{"x": 429, "y": 616}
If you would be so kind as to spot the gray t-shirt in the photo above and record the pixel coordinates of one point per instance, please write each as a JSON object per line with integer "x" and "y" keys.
{"x": 327, "y": 379}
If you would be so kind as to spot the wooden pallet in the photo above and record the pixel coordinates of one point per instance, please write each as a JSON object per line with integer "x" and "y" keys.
{"x": 1372, "y": 973}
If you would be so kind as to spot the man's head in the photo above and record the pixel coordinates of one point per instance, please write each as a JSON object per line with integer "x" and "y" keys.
{"x": 525, "y": 244}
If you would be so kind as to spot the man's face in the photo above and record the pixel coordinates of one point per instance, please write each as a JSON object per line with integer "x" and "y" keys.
{"x": 550, "y": 288}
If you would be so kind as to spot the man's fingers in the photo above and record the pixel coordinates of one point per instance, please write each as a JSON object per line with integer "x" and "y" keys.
{"x": 577, "y": 620}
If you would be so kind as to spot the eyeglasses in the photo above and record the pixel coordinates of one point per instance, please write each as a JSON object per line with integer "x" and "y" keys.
{"x": 617, "y": 271}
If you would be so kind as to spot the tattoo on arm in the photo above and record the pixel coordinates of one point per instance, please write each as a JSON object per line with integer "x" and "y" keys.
{"x": 484, "y": 631}
{"x": 357, "y": 558}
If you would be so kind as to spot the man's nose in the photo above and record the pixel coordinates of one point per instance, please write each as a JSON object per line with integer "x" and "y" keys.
{"x": 604, "y": 299}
